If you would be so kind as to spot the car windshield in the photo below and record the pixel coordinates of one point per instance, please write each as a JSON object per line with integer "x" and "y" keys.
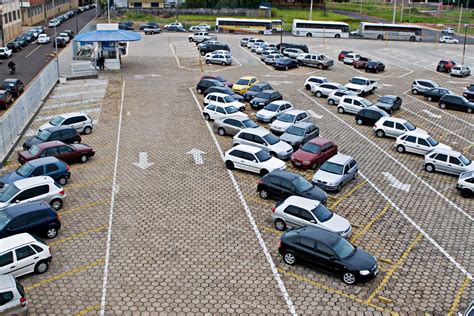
{"x": 25, "y": 170}
{"x": 311, "y": 148}
{"x": 409, "y": 126}
{"x": 262, "y": 156}
{"x": 4, "y": 220}
{"x": 386, "y": 100}
{"x": 271, "y": 139}
{"x": 302, "y": 185}
{"x": 343, "y": 248}
{"x": 34, "y": 150}
{"x": 464, "y": 160}
{"x": 263, "y": 95}
{"x": 285, "y": 117}
{"x": 332, "y": 167}
{"x": 272, "y": 107}
{"x": 56, "y": 121}
{"x": 322, "y": 213}
{"x": 228, "y": 99}
{"x": 7, "y": 192}
{"x": 432, "y": 141}
{"x": 357, "y": 81}
{"x": 248, "y": 123}
{"x": 44, "y": 135}
{"x": 220, "y": 78}
{"x": 298, "y": 131}
{"x": 366, "y": 102}
{"x": 231, "y": 109}
{"x": 243, "y": 82}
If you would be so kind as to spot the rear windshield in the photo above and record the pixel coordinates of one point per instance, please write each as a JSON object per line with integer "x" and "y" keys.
{"x": 248, "y": 123}
{"x": 387, "y": 100}
{"x": 44, "y": 135}
{"x": 357, "y": 81}
{"x": 264, "y": 95}
{"x": 311, "y": 148}
{"x": 322, "y": 213}
{"x": 262, "y": 155}
{"x": 56, "y": 121}
{"x": 4, "y": 219}
{"x": 7, "y": 192}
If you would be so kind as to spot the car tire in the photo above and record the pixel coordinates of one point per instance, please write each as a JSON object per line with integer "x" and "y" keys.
{"x": 56, "y": 204}
{"x": 321, "y": 66}
{"x": 308, "y": 87}
{"x": 331, "y": 102}
{"x": 62, "y": 181}
{"x": 337, "y": 36}
{"x": 203, "y": 53}
{"x": 359, "y": 122}
{"x": 206, "y": 117}
{"x": 349, "y": 278}
{"x": 191, "y": 39}
{"x": 469, "y": 110}
{"x": 414, "y": 91}
{"x": 199, "y": 91}
{"x": 309, "y": 35}
{"x": 51, "y": 233}
{"x": 41, "y": 267}
{"x": 263, "y": 194}
{"x": 401, "y": 149}
{"x": 430, "y": 99}
{"x": 466, "y": 193}
{"x": 314, "y": 166}
{"x": 442, "y": 105}
{"x": 380, "y": 133}
{"x": 280, "y": 225}
{"x": 221, "y": 131}
{"x": 289, "y": 258}
{"x": 229, "y": 165}
{"x": 429, "y": 168}
{"x": 87, "y": 130}
{"x": 340, "y": 110}
{"x": 263, "y": 172}
{"x": 207, "y": 61}
{"x": 380, "y": 37}
{"x": 339, "y": 187}
{"x": 319, "y": 94}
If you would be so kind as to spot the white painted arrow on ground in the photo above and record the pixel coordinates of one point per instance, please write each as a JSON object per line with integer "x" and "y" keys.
{"x": 274, "y": 76}
{"x": 395, "y": 183}
{"x": 458, "y": 81}
{"x": 386, "y": 85}
{"x": 431, "y": 114}
{"x": 313, "y": 114}
{"x": 277, "y": 83}
{"x": 143, "y": 76}
{"x": 143, "y": 161}
{"x": 197, "y": 156}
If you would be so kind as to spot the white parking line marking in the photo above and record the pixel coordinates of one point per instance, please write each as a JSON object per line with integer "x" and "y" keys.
{"x": 34, "y": 50}
{"x": 313, "y": 114}
{"x": 73, "y": 103}
{"x": 268, "y": 256}
{"x": 432, "y": 114}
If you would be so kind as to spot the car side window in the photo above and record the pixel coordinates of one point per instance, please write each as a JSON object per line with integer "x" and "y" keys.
{"x": 292, "y": 210}
{"x": 455, "y": 161}
{"x": 411, "y": 139}
{"x": 400, "y": 127}
{"x": 40, "y": 190}
{"x": 65, "y": 149}
{"x": 220, "y": 100}
{"x": 286, "y": 185}
{"x": 37, "y": 216}
{"x": 325, "y": 250}
{"x": 220, "y": 110}
{"x": 304, "y": 214}
{"x": 37, "y": 248}
{"x": 258, "y": 140}
{"x": 236, "y": 153}
{"x": 211, "y": 107}
{"x": 53, "y": 151}
{"x": 423, "y": 142}
{"x": 247, "y": 156}
{"x": 5, "y": 297}
{"x": 388, "y": 124}
{"x": 24, "y": 252}
{"x": 6, "y": 259}
{"x": 306, "y": 242}
{"x": 51, "y": 167}
{"x": 37, "y": 172}
{"x": 352, "y": 164}
{"x": 25, "y": 195}
{"x": 347, "y": 100}
{"x": 245, "y": 136}
{"x": 357, "y": 103}
{"x": 441, "y": 157}
{"x": 346, "y": 168}
{"x": 68, "y": 121}
{"x": 275, "y": 181}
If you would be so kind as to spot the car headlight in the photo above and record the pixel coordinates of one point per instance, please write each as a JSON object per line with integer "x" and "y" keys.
{"x": 364, "y": 272}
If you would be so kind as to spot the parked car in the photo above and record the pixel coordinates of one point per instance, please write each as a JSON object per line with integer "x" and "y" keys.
{"x": 393, "y": 127}
{"x": 254, "y": 90}
{"x": 223, "y": 80}
{"x": 445, "y": 65}
{"x": 126, "y": 27}
{"x": 254, "y": 41}
{"x": 361, "y": 63}
{"x": 292, "y": 52}
{"x": 370, "y": 116}
{"x": 298, "y": 211}
{"x": 200, "y": 27}
{"x": 264, "y": 98}
{"x": 21, "y": 40}
{"x": 53, "y": 23}
{"x": 460, "y": 71}
{"x": 343, "y": 54}
{"x": 148, "y": 25}
{"x": 243, "y": 84}
{"x": 37, "y": 254}
{"x": 285, "y": 63}
{"x": 177, "y": 24}
{"x": 151, "y": 30}
{"x": 456, "y": 102}
{"x": 299, "y": 133}
{"x": 223, "y": 100}
{"x": 244, "y": 41}
{"x": 267, "y": 52}
{"x": 47, "y": 166}
{"x": 65, "y": 36}
{"x": 282, "y": 184}
{"x": 435, "y": 94}
{"x": 66, "y": 152}
{"x": 335, "y": 172}
{"x": 59, "y": 42}
{"x": 418, "y": 143}
{"x": 43, "y": 39}
{"x": 205, "y": 84}
{"x": 232, "y": 125}
{"x": 253, "y": 159}
{"x": 14, "y": 46}
{"x": 14, "y": 86}
{"x": 214, "y": 112}
{"x": 271, "y": 110}
{"x": 353, "y": 104}
{"x": 324, "y": 89}
{"x": 315, "y": 60}
{"x": 266, "y": 47}
{"x": 447, "y": 30}
{"x": 30, "y": 36}
{"x": 314, "y": 80}
{"x": 262, "y": 138}
{"x": 328, "y": 250}
{"x": 272, "y": 58}
{"x": 6, "y": 99}
{"x": 288, "y": 118}
{"x": 448, "y": 40}
{"x": 282, "y": 46}
{"x": 175, "y": 29}
{"x": 389, "y": 103}
{"x": 67, "y": 134}
{"x": 314, "y": 153}
{"x": 220, "y": 59}
{"x": 448, "y": 161}
{"x": 420, "y": 86}
{"x": 468, "y": 92}
{"x": 5, "y": 52}
{"x": 210, "y": 46}
{"x": 336, "y": 95}
{"x": 69, "y": 33}
{"x": 13, "y": 296}
{"x": 362, "y": 86}
{"x": 226, "y": 91}
{"x": 350, "y": 58}
{"x": 79, "y": 120}
{"x": 466, "y": 184}
{"x": 374, "y": 66}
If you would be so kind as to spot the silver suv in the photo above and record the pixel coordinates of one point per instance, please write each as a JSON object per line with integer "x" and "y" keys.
{"x": 12, "y": 296}
{"x": 79, "y": 120}
{"x": 388, "y": 126}
{"x": 448, "y": 161}
{"x": 419, "y": 86}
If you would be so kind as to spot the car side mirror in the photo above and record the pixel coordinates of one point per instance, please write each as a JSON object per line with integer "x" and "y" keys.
{"x": 312, "y": 221}
{"x": 17, "y": 201}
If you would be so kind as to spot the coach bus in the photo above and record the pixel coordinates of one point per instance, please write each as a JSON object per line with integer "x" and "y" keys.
{"x": 390, "y": 31}
{"x": 230, "y": 25}
{"x": 320, "y": 29}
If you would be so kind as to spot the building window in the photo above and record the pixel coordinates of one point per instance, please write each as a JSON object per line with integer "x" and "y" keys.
{"x": 9, "y": 17}
{"x": 155, "y": 4}
{"x": 14, "y": 15}
{"x": 137, "y": 4}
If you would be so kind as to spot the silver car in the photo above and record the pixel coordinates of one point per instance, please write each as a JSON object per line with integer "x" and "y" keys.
{"x": 300, "y": 133}
{"x": 336, "y": 172}
{"x": 419, "y": 86}
{"x": 271, "y": 58}
{"x": 389, "y": 126}
{"x": 460, "y": 71}
{"x": 232, "y": 125}
{"x": 262, "y": 138}
{"x": 466, "y": 184}
{"x": 13, "y": 297}
{"x": 448, "y": 161}
{"x": 336, "y": 96}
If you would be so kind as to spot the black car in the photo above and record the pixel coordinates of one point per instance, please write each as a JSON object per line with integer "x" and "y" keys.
{"x": 265, "y": 97}
{"x": 225, "y": 90}
{"x": 204, "y": 84}
{"x": 456, "y": 102}
{"x": 151, "y": 25}
{"x": 14, "y": 46}
{"x": 69, "y": 33}
{"x": 468, "y": 93}
{"x": 281, "y": 184}
{"x": 282, "y": 46}
{"x": 435, "y": 94}
{"x": 374, "y": 66}
{"x": 174, "y": 28}
{"x": 208, "y": 47}
{"x": 37, "y": 218}
{"x": 285, "y": 63}
{"x": 29, "y": 36}
{"x": 329, "y": 251}
{"x": 14, "y": 86}
{"x": 67, "y": 134}
{"x": 256, "y": 89}
{"x": 21, "y": 40}
{"x": 389, "y": 103}
{"x": 369, "y": 116}
{"x": 61, "y": 42}
{"x": 126, "y": 27}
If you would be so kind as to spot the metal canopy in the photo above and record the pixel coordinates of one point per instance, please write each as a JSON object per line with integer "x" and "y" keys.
{"x": 108, "y": 36}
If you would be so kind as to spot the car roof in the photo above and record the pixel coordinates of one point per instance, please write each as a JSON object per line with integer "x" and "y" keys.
{"x": 15, "y": 241}
{"x": 356, "y": 97}
{"x": 449, "y": 152}
{"x": 7, "y": 281}
{"x": 71, "y": 114}
{"x": 43, "y": 161}
{"x": 248, "y": 77}
{"x": 417, "y": 133}
{"x": 340, "y": 159}
{"x": 236, "y": 117}
{"x": 280, "y": 102}
{"x": 218, "y": 94}
{"x": 303, "y": 202}
{"x": 52, "y": 143}
{"x": 19, "y": 209}
{"x": 10, "y": 80}
{"x": 391, "y": 96}
{"x": 59, "y": 128}
{"x": 316, "y": 77}
{"x": 303, "y": 124}
{"x": 284, "y": 174}
{"x": 27, "y": 182}
{"x": 320, "y": 141}
{"x": 248, "y": 148}
{"x": 261, "y": 84}
{"x": 294, "y": 112}
{"x": 259, "y": 131}
{"x": 318, "y": 233}
{"x": 268, "y": 91}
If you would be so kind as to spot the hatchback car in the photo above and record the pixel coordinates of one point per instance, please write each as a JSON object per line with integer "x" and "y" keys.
{"x": 468, "y": 92}
{"x": 48, "y": 166}
{"x": 232, "y": 125}
{"x": 448, "y": 161}
{"x": 448, "y": 40}
{"x": 14, "y": 86}
{"x": 265, "y": 97}
{"x": 325, "y": 89}
{"x": 350, "y": 57}
{"x": 466, "y": 184}
{"x": 253, "y": 159}
{"x": 282, "y": 184}
{"x": 285, "y": 63}
{"x": 204, "y": 84}
{"x": 299, "y": 133}
{"x": 314, "y": 80}
{"x": 435, "y": 94}
{"x": 223, "y": 100}
{"x": 374, "y": 66}
{"x": 256, "y": 89}
{"x": 214, "y": 112}
{"x": 393, "y": 127}
{"x": 67, "y": 134}
{"x": 418, "y": 143}
{"x": 272, "y": 58}
{"x": 336, "y": 95}
{"x": 226, "y": 91}
{"x": 66, "y": 152}
{"x": 41, "y": 188}
{"x": 80, "y": 121}
{"x": 268, "y": 52}
{"x": 456, "y": 102}
{"x": 6, "y": 99}
{"x": 460, "y": 71}
{"x": 420, "y": 86}
{"x": 327, "y": 250}
{"x": 389, "y": 103}
{"x": 361, "y": 63}
{"x": 298, "y": 211}
{"x": 243, "y": 84}
{"x": 13, "y": 299}
{"x": 314, "y": 153}
{"x": 270, "y": 111}
{"x": 343, "y": 54}
{"x": 369, "y": 116}
{"x": 220, "y": 59}
{"x": 262, "y": 138}
{"x": 353, "y": 104}
{"x": 288, "y": 118}
{"x": 335, "y": 172}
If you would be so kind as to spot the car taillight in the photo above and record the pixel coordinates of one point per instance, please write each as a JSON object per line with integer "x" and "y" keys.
{"x": 279, "y": 243}
{"x": 273, "y": 209}
{"x": 23, "y": 301}
{"x": 68, "y": 168}
{"x": 61, "y": 192}
{"x": 259, "y": 181}
{"x": 58, "y": 216}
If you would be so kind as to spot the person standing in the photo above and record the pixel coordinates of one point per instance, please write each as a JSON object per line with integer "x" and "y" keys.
{"x": 101, "y": 62}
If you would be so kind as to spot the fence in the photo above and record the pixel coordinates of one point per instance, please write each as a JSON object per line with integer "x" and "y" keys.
{"x": 15, "y": 120}
{"x": 196, "y": 11}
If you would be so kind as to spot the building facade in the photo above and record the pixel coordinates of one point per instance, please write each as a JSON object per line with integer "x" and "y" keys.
{"x": 146, "y": 3}
{"x": 11, "y": 21}
{"x": 37, "y": 11}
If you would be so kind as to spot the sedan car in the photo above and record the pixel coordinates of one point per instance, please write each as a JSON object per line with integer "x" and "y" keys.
{"x": 256, "y": 89}
{"x": 420, "y": 86}
{"x": 436, "y": 94}
{"x": 204, "y": 84}
{"x": 272, "y": 58}
{"x": 361, "y": 63}
{"x": 253, "y": 159}
{"x": 418, "y": 143}
{"x": 314, "y": 80}
{"x": 369, "y": 116}
{"x": 328, "y": 250}
{"x": 6, "y": 99}
{"x": 264, "y": 98}
{"x": 66, "y": 134}
{"x": 174, "y": 28}
{"x": 466, "y": 184}
{"x": 374, "y": 66}
{"x": 460, "y": 71}
{"x": 226, "y": 91}
{"x": 221, "y": 79}
{"x": 336, "y": 95}
{"x": 288, "y": 118}
{"x": 298, "y": 211}
{"x": 214, "y": 112}
{"x": 14, "y": 46}
{"x": 336, "y": 172}
{"x": 285, "y": 63}
{"x": 350, "y": 58}
{"x": 314, "y": 153}
{"x": 389, "y": 103}
{"x": 300, "y": 133}
{"x": 14, "y": 86}
{"x": 468, "y": 92}
{"x": 324, "y": 89}
{"x": 447, "y": 161}
{"x": 448, "y": 40}
{"x": 353, "y": 104}
{"x": 456, "y": 102}
{"x": 66, "y": 152}
{"x": 243, "y": 84}
{"x": 232, "y": 125}
{"x": 343, "y": 54}
{"x": 270, "y": 111}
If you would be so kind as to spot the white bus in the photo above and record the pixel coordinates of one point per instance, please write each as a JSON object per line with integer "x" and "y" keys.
{"x": 390, "y": 31}
{"x": 231, "y": 25}
{"x": 320, "y": 29}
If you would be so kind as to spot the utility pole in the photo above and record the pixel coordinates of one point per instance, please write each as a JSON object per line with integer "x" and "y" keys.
{"x": 55, "y": 41}
{"x": 360, "y": 7}
{"x": 177, "y": 10}
{"x": 464, "y": 46}
{"x": 401, "y": 12}
{"x": 460, "y": 17}
{"x": 311, "y": 10}
{"x": 394, "y": 10}
{"x": 281, "y": 35}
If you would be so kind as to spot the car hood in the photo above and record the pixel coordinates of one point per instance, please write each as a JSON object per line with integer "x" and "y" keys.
{"x": 10, "y": 177}
{"x": 280, "y": 124}
{"x": 281, "y": 147}
{"x": 290, "y": 138}
{"x": 337, "y": 223}
{"x": 303, "y": 155}
{"x": 314, "y": 194}
{"x": 239, "y": 86}
{"x": 238, "y": 97}
{"x": 326, "y": 176}
{"x": 265, "y": 113}
{"x": 360, "y": 260}
{"x": 33, "y": 141}
{"x": 275, "y": 163}
{"x": 252, "y": 93}
{"x": 353, "y": 86}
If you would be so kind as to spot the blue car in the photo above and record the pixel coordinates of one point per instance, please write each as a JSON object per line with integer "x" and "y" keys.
{"x": 47, "y": 166}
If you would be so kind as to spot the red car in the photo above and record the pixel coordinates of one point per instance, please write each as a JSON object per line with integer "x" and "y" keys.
{"x": 6, "y": 99}
{"x": 66, "y": 152}
{"x": 361, "y": 63}
{"x": 343, "y": 54}
{"x": 445, "y": 65}
{"x": 223, "y": 80}
{"x": 314, "y": 153}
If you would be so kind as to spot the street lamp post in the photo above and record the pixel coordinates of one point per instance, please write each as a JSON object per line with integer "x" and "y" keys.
{"x": 394, "y": 10}
{"x": 464, "y": 46}
{"x": 311, "y": 10}
{"x": 55, "y": 40}
{"x": 281, "y": 35}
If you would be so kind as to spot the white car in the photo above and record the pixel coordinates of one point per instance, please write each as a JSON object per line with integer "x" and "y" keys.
{"x": 254, "y": 41}
{"x": 352, "y": 104}
{"x": 418, "y": 143}
{"x": 389, "y": 126}
{"x": 253, "y": 159}
{"x": 200, "y": 27}
{"x": 65, "y": 36}
{"x": 43, "y": 39}
{"x": 262, "y": 138}
{"x": 466, "y": 184}
{"x": 300, "y": 211}
{"x": 271, "y": 110}
{"x": 257, "y": 45}
{"x": 37, "y": 259}
{"x": 349, "y": 58}
{"x": 314, "y": 81}
{"x": 265, "y": 46}
{"x": 215, "y": 112}
{"x": 223, "y": 99}
{"x": 448, "y": 40}
{"x": 447, "y": 30}
{"x": 460, "y": 71}
{"x": 288, "y": 118}
{"x": 220, "y": 59}
{"x": 53, "y": 23}
{"x": 447, "y": 161}
{"x": 325, "y": 89}
{"x": 178, "y": 24}
{"x": 293, "y": 52}
{"x": 219, "y": 51}
{"x": 5, "y": 52}
{"x": 79, "y": 120}
{"x": 335, "y": 96}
